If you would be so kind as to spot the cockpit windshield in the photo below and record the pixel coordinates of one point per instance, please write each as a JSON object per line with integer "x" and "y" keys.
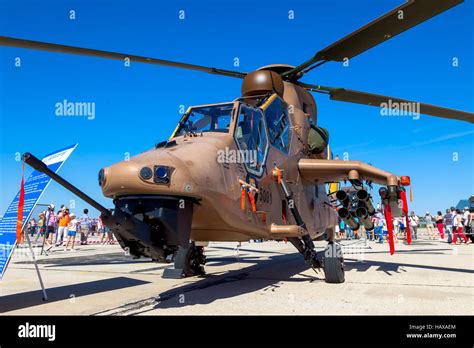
{"x": 214, "y": 118}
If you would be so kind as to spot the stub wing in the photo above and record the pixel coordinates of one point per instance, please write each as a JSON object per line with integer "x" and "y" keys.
{"x": 324, "y": 171}
{"x": 393, "y": 196}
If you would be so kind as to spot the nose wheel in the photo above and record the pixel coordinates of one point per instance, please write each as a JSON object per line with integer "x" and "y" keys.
{"x": 188, "y": 262}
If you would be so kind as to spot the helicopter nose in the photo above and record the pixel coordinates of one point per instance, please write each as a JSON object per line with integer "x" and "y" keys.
{"x": 189, "y": 169}
{"x": 119, "y": 177}
{"x": 162, "y": 176}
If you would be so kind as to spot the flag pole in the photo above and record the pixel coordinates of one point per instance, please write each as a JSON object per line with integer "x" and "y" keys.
{"x": 45, "y": 296}
{"x": 20, "y": 229}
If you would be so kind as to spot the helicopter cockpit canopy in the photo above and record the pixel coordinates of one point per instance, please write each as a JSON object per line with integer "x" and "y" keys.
{"x": 201, "y": 119}
{"x": 260, "y": 122}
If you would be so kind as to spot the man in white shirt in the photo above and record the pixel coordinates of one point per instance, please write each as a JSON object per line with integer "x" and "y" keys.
{"x": 413, "y": 221}
{"x": 465, "y": 216}
{"x": 449, "y": 223}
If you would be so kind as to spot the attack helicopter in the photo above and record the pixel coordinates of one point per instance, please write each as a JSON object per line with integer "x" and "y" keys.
{"x": 253, "y": 168}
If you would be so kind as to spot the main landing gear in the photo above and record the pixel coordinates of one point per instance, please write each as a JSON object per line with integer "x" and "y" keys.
{"x": 332, "y": 262}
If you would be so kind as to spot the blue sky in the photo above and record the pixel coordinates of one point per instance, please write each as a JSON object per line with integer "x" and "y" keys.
{"x": 139, "y": 105}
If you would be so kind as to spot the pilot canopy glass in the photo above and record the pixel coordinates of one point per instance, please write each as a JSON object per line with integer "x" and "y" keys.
{"x": 214, "y": 118}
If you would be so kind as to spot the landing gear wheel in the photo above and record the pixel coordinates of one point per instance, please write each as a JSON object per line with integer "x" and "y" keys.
{"x": 190, "y": 260}
{"x": 333, "y": 263}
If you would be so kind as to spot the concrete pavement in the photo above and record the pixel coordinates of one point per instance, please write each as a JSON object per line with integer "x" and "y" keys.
{"x": 427, "y": 277}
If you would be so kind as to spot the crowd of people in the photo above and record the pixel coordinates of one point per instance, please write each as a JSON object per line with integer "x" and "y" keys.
{"x": 449, "y": 226}
{"x": 60, "y": 229}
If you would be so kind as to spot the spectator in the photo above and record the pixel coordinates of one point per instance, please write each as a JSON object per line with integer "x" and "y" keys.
{"x": 63, "y": 227}
{"x": 107, "y": 233}
{"x": 356, "y": 232}
{"x": 342, "y": 228}
{"x": 85, "y": 225}
{"x": 58, "y": 218}
{"x": 32, "y": 227}
{"x": 50, "y": 221}
{"x": 379, "y": 229}
{"x": 94, "y": 227}
{"x": 402, "y": 227}
{"x": 449, "y": 224}
{"x": 371, "y": 233}
{"x": 466, "y": 221}
{"x": 40, "y": 226}
{"x": 439, "y": 224}
{"x": 429, "y": 225}
{"x": 385, "y": 229}
{"x": 71, "y": 234}
{"x": 396, "y": 228}
{"x": 458, "y": 226}
{"x": 471, "y": 219}
{"x": 413, "y": 220}
{"x": 110, "y": 235}
{"x": 101, "y": 229}
{"x": 453, "y": 211}
{"x": 465, "y": 216}
{"x": 349, "y": 234}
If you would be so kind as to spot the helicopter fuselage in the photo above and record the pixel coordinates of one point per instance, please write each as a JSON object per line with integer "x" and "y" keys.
{"x": 204, "y": 169}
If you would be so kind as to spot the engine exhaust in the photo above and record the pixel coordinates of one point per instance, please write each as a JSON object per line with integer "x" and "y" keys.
{"x": 364, "y": 217}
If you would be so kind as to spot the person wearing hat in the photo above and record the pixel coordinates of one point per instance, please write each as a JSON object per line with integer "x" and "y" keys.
{"x": 449, "y": 223}
{"x": 429, "y": 225}
{"x": 72, "y": 230}
{"x": 41, "y": 226}
{"x": 50, "y": 222}
{"x": 413, "y": 221}
{"x": 63, "y": 226}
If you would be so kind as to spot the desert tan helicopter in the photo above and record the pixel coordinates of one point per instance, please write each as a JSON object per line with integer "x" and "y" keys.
{"x": 253, "y": 168}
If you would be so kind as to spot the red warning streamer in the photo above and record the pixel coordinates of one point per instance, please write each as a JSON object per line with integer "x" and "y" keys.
{"x": 21, "y": 204}
{"x": 403, "y": 196}
{"x": 388, "y": 218}
{"x": 242, "y": 198}
{"x": 252, "y": 201}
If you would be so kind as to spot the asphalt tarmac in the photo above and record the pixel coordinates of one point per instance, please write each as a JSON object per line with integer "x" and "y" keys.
{"x": 428, "y": 278}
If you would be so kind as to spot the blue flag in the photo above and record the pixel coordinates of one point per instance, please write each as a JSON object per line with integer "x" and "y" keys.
{"x": 34, "y": 187}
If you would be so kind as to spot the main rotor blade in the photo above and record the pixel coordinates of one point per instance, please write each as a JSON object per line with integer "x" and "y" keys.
{"x": 394, "y": 22}
{"x": 44, "y": 46}
{"x": 402, "y": 105}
